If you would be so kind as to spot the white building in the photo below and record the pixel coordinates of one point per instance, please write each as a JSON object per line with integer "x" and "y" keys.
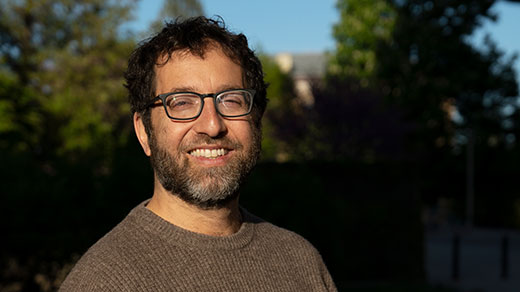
{"x": 307, "y": 69}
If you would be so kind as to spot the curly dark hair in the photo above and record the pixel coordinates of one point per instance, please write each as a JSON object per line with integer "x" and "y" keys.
{"x": 195, "y": 35}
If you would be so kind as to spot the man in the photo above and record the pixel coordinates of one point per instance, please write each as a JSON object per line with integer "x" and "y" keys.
{"x": 198, "y": 96}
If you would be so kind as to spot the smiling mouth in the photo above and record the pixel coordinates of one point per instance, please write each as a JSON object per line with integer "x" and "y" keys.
{"x": 208, "y": 153}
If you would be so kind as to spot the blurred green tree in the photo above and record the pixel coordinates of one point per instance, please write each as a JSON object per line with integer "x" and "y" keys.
{"x": 64, "y": 59}
{"x": 362, "y": 27}
{"x": 63, "y": 113}
{"x": 455, "y": 97}
{"x": 284, "y": 126}
{"x": 416, "y": 53}
{"x": 19, "y": 120}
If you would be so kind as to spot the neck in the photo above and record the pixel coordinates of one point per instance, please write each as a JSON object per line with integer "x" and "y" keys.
{"x": 215, "y": 222}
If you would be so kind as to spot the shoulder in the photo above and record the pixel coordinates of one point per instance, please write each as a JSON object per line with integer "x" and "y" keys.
{"x": 279, "y": 238}
{"x": 292, "y": 254}
{"x": 104, "y": 266}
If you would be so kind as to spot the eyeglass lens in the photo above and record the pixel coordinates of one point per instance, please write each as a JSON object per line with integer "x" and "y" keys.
{"x": 189, "y": 105}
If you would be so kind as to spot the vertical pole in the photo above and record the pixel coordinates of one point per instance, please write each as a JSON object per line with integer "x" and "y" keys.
{"x": 505, "y": 257}
{"x": 455, "y": 254}
{"x": 470, "y": 179}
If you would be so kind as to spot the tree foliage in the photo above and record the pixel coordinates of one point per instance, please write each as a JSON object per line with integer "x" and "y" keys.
{"x": 363, "y": 26}
{"x": 63, "y": 115}
{"x": 65, "y": 58}
{"x": 416, "y": 53}
{"x": 284, "y": 127}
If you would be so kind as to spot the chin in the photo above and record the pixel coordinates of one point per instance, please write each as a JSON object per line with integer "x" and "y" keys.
{"x": 209, "y": 203}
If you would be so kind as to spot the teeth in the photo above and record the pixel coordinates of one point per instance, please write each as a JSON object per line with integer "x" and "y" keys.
{"x": 208, "y": 153}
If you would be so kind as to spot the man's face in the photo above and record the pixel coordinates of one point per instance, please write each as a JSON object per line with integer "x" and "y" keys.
{"x": 205, "y": 160}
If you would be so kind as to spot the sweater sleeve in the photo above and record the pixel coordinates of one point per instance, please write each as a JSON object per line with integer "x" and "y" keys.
{"x": 327, "y": 278}
{"x": 92, "y": 273}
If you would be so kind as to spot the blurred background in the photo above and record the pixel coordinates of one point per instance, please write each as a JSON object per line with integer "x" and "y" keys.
{"x": 391, "y": 139}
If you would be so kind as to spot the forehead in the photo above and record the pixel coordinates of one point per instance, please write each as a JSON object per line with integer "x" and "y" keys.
{"x": 212, "y": 71}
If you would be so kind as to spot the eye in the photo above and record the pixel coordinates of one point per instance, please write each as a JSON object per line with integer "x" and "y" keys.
{"x": 182, "y": 101}
{"x": 232, "y": 99}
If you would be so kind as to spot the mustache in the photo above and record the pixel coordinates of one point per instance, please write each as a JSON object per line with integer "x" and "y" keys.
{"x": 202, "y": 140}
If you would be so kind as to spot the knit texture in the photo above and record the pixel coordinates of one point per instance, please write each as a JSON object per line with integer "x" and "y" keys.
{"x": 146, "y": 253}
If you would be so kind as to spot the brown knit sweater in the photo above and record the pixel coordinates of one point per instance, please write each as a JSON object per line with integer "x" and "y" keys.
{"x": 146, "y": 253}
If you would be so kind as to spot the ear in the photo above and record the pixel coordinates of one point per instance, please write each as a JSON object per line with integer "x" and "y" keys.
{"x": 140, "y": 132}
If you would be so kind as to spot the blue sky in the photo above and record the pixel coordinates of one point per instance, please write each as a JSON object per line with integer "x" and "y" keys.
{"x": 271, "y": 26}
{"x": 296, "y": 26}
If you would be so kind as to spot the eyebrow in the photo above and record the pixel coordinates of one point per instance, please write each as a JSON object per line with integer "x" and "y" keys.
{"x": 192, "y": 89}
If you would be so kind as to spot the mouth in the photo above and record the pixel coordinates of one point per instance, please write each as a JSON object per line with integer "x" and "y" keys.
{"x": 208, "y": 153}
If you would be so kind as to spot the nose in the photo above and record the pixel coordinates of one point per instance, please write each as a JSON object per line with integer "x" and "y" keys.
{"x": 210, "y": 122}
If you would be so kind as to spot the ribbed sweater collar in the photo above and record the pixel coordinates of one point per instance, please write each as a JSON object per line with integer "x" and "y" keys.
{"x": 149, "y": 222}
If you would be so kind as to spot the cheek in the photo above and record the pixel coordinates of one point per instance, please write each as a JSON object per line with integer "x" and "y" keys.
{"x": 176, "y": 136}
{"x": 246, "y": 134}
{"x": 170, "y": 134}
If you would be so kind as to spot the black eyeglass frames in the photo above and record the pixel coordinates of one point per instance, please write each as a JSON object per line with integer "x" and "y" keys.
{"x": 188, "y": 105}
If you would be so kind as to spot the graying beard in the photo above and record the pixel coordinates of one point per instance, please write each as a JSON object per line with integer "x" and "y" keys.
{"x": 175, "y": 179}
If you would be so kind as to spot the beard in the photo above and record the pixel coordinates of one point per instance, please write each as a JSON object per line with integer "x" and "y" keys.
{"x": 205, "y": 187}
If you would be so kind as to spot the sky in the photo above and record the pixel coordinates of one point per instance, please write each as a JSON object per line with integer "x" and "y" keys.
{"x": 270, "y": 26}
{"x": 303, "y": 26}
